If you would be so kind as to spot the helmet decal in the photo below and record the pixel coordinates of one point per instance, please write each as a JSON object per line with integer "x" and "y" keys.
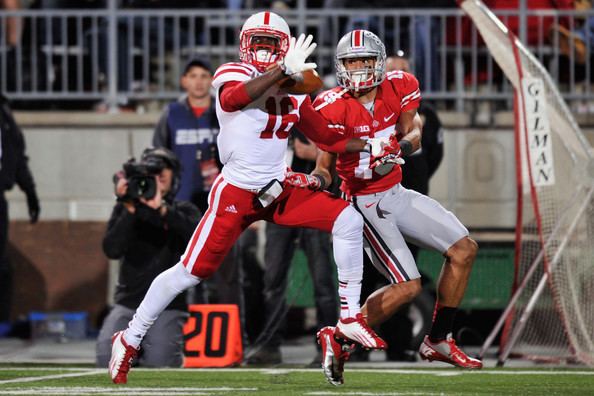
{"x": 358, "y": 39}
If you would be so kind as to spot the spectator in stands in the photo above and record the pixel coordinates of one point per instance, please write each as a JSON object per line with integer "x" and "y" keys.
{"x": 148, "y": 235}
{"x": 12, "y": 30}
{"x": 13, "y": 169}
{"x": 281, "y": 243}
{"x": 132, "y": 32}
{"x": 535, "y": 26}
{"x": 578, "y": 41}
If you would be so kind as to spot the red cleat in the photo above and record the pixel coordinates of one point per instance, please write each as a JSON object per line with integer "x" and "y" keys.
{"x": 357, "y": 330}
{"x": 122, "y": 356}
{"x": 447, "y": 351}
{"x": 334, "y": 354}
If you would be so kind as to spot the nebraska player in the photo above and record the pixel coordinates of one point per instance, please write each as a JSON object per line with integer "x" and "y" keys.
{"x": 255, "y": 119}
{"x": 372, "y": 104}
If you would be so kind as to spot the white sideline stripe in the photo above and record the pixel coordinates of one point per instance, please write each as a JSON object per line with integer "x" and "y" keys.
{"x": 41, "y": 368}
{"x": 441, "y": 372}
{"x": 371, "y": 393}
{"x": 53, "y": 376}
{"x": 83, "y": 390}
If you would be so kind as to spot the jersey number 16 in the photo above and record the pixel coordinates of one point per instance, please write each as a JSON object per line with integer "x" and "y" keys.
{"x": 288, "y": 119}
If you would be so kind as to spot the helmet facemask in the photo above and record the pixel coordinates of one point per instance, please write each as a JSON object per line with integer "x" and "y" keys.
{"x": 356, "y": 79}
{"x": 263, "y": 47}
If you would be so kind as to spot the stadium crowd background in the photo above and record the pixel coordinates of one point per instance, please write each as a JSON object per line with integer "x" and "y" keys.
{"x": 84, "y": 112}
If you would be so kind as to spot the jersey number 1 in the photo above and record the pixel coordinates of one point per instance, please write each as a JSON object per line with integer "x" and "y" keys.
{"x": 288, "y": 119}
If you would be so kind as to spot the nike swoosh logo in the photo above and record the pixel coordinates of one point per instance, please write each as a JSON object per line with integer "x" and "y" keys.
{"x": 369, "y": 205}
{"x": 386, "y": 119}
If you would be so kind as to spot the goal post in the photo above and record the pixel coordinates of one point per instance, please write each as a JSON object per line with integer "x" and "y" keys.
{"x": 550, "y": 315}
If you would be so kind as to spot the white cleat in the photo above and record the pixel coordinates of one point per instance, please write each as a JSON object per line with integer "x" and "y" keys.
{"x": 122, "y": 356}
{"x": 357, "y": 330}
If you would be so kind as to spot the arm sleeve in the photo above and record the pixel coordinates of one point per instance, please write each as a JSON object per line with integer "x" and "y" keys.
{"x": 161, "y": 134}
{"x": 316, "y": 128}
{"x": 182, "y": 218}
{"x": 119, "y": 232}
{"x": 233, "y": 96}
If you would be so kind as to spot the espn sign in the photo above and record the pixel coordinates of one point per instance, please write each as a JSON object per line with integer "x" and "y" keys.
{"x": 212, "y": 336}
{"x": 539, "y": 137}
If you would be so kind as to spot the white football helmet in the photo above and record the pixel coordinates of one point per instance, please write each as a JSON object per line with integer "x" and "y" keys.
{"x": 360, "y": 44}
{"x": 264, "y": 24}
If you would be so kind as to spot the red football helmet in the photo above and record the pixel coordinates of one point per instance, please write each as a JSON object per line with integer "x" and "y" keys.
{"x": 264, "y": 40}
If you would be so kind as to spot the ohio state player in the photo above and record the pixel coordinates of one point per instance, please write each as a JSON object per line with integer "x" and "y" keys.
{"x": 369, "y": 104}
{"x": 255, "y": 118}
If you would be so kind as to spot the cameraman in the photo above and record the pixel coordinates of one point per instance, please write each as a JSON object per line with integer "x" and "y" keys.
{"x": 148, "y": 232}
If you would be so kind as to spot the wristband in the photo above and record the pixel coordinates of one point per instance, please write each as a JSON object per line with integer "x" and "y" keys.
{"x": 406, "y": 147}
{"x": 367, "y": 148}
{"x": 321, "y": 180}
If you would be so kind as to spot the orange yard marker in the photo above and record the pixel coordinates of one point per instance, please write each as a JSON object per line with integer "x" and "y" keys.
{"x": 212, "y": 336}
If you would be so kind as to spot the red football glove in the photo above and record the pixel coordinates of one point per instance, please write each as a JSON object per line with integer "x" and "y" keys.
{"x": 303, "y": 180}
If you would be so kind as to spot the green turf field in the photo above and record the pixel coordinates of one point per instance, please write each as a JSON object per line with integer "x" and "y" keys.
{"x": 81, "y": 381}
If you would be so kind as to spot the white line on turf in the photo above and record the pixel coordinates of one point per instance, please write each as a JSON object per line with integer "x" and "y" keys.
{"x": 127, "y": 391}
{"x": 446, "y": 371}
{"x": 372, "y": 393}
{"x": 53, "y": 376}
{"x": 42, "y": 368}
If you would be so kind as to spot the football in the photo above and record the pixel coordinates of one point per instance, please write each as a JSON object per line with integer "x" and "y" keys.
{"x": 301, "y": 83}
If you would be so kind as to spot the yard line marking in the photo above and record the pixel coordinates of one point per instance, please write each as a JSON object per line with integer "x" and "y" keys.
{"x": 140, "y": 391}
{"x": 276, "y": 371}
{"x": 42, "y": 368}
{"x": 372, "y": 393}
{"x": 53, "y": 376}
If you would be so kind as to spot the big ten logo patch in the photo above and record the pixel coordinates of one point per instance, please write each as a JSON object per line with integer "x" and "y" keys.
{"x": 212, "y": 336}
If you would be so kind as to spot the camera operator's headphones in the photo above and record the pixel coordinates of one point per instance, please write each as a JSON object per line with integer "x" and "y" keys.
{"x": 169, "y": 160}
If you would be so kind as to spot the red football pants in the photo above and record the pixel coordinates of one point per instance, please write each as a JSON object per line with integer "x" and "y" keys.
{"x": 231, "y": 209}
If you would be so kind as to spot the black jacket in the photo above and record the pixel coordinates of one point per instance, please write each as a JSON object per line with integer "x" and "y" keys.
{"x": 147, "y": 244}
{"x": 14, "y": 167}
{"x": 419, "y": 167}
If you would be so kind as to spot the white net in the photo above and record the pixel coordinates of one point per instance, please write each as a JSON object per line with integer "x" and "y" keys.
{"x": 553, "y": 316}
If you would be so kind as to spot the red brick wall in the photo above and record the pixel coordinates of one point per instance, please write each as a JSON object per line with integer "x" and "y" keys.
{"x": 58, "y": 266}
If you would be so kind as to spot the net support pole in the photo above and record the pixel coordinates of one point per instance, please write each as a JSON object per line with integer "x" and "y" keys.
{"x": 534, "y": 298}
{"x": 516, "y": 295}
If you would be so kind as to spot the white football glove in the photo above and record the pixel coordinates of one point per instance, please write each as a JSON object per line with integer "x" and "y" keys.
{"x": 383, "y": 150}
{"x": 375, "y": 146}
{"x": 299, "y": 50}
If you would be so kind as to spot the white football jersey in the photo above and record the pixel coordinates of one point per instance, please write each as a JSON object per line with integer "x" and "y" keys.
{"x": 253, "y": 141}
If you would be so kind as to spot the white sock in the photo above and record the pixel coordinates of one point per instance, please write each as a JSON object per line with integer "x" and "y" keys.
{"x": 348, "y": 253}
{"x": 163, "y": 290}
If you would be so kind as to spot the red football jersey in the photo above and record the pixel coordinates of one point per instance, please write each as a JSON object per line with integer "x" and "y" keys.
{"x": 397, "y": 93}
